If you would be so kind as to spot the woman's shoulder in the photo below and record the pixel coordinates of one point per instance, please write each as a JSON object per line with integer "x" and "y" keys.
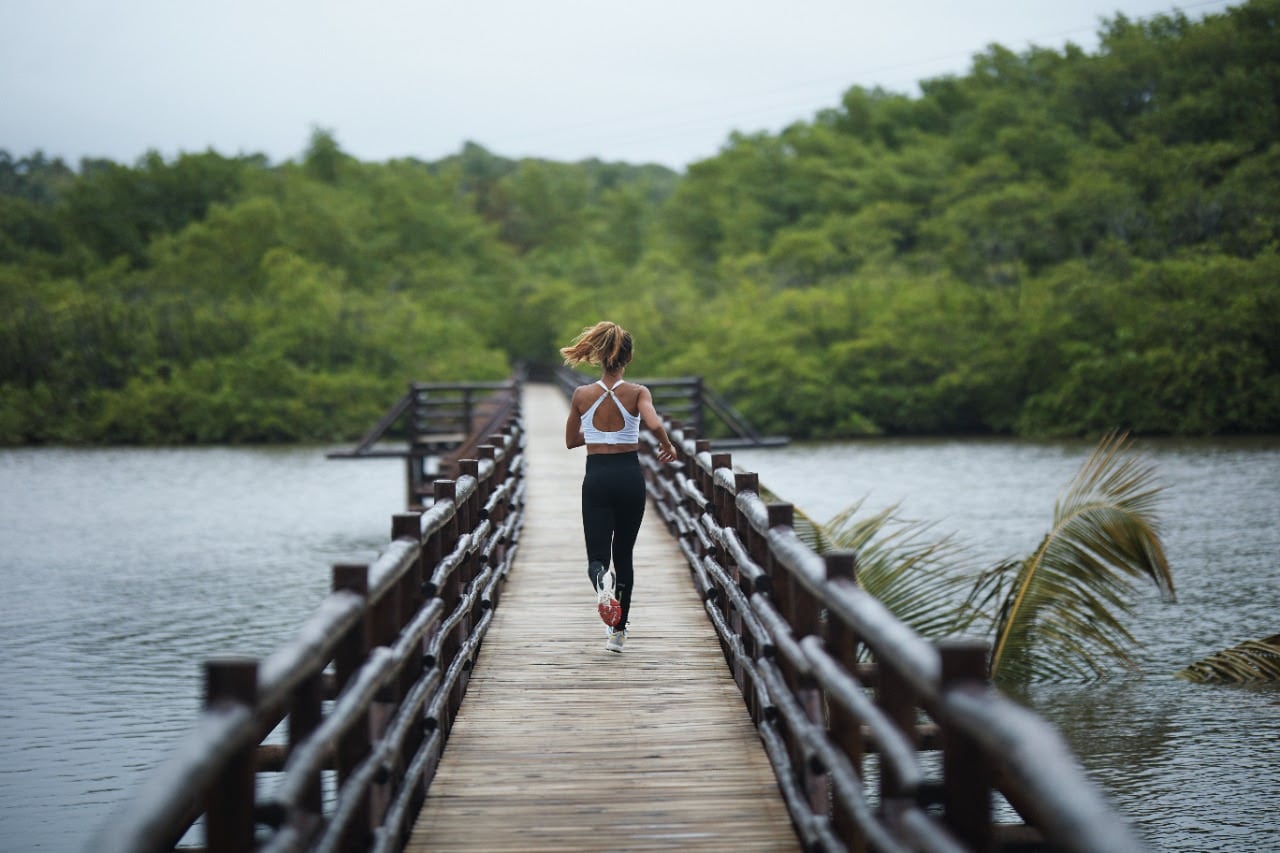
{"x": 634, "y": 393}
{"x": 587, "y": 393}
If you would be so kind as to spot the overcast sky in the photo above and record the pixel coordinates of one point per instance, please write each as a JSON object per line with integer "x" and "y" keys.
{"x": 662, "y": 81}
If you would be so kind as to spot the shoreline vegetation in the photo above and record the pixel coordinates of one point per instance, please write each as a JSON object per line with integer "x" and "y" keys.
{"x": 1053, "y": 244}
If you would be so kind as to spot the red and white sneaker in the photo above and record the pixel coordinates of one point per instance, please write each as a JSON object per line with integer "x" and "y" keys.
{"x": 606, "y": 603}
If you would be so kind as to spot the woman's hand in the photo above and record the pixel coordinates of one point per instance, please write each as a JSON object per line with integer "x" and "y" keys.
{"x": 667, "y": 452}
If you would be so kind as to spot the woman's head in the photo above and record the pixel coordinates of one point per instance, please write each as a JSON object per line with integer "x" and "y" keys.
{"x": 605, "y": 344}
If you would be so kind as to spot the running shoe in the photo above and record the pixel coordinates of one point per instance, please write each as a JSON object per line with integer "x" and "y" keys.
{"x": 617, "y": 637}
{"x": 606, "y": 603}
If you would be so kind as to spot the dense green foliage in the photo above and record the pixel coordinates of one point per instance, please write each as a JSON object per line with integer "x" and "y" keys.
{"x": 1055, "y": 242}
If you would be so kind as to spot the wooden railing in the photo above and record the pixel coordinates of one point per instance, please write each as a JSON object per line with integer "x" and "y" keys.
{"x": 838, "y": 687}
{"x": 687, "y": 399}
{"x": 439, "y": 424}
{"x": 341, "y": 728}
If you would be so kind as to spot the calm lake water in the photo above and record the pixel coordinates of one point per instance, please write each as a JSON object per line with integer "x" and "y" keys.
{"x": 125, "y": 569}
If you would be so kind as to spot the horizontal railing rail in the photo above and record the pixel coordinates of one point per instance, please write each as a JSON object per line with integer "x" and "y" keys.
{"x": 847, "y": 699}
{"x": 364, "y": 695}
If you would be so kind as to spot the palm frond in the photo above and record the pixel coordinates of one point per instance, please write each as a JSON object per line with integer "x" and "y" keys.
{"x": 1059, "y": 613}
{"x": 807, "y": 530}
{"x": 916, "y": 576}
{"x": 1252, "y": 660}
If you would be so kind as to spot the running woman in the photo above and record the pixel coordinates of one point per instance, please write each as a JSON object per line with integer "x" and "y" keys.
{"x": 606, "y": 416}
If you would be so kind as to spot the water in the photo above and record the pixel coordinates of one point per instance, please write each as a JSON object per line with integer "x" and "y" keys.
{"x": 1193, "y": 767}
{"x": 124, "y": 570}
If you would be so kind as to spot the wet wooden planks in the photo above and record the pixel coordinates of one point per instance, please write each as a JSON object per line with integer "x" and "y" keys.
{"x": 563, "y": 745}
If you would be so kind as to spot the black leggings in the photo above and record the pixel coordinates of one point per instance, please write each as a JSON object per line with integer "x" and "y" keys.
{"x": 613, "y": 496}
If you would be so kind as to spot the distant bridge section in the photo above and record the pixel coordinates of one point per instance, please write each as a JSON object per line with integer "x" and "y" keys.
{"x": 435, "y": 424}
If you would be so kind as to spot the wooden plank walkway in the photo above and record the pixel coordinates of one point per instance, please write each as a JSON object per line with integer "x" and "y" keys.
{"x": 562, "y": 745}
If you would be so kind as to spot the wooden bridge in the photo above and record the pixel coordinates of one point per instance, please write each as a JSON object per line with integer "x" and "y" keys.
{"x": 566, "y": 746}
{"x": 763, "y": 702}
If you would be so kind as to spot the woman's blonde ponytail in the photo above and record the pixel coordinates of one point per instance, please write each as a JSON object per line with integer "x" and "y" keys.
{"x": 605, "y": 344}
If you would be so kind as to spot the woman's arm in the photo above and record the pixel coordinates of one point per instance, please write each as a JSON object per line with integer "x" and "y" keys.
{"x": 649, "y": 415}
{"x": 573, "y": 436}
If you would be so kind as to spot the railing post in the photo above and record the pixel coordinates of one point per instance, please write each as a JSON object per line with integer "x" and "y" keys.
{"x": 696, "y": 405}
{"x": 470, "y": 510}
{"x": 446, "y": 491}
{"x": 722, "y": 513}
{"x": 898, "y": 702}
{"x": 499, "y": 470}
{"x": 415, "y": 458}
{"x": 408, "y": 525}
{"x": 719, "y": 502}
{"x": 693, "y": 506}
{"x": 433, "y": 550}
{"x": 804, "y": 615}
{"x": 470, "y": 568}
{"x": 229, "y": 812}
{"x": 744, "y": 482}
{"x": 471, "y": 468}
{"x": 723, "y": 507}
{"x": 780, "y": 515}
{"x": 304, "y": 718}
{"x": 846, "y": 729}
{"x": 694, "y": 471}
{"x": 451, "y": 593}
{"x": 497, "y": 477}
{"x": 966, "y": 777}
{"x": 351, "y": 654}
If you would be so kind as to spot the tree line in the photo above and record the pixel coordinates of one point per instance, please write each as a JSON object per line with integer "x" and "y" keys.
{"x": 1053, "y": 243}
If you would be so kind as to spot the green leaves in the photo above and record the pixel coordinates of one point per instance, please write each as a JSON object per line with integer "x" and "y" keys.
{"x": 1252, "y": 660}
{"x": 918, "y": 578}
{"x": 1060, "y": 612}
{"x": 243, "y": 303}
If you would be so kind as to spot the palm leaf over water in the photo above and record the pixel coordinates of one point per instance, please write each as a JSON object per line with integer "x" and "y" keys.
{"x": 1252, "y": 660}
{"x": 1059, "y": 612}
{"x": 917, "y": 578}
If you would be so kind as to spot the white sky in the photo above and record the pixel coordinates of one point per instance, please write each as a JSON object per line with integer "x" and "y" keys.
{"x": 662, "y": 81}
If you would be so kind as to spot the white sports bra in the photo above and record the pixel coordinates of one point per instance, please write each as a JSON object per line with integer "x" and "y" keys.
{"x": 630, "y": 432}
